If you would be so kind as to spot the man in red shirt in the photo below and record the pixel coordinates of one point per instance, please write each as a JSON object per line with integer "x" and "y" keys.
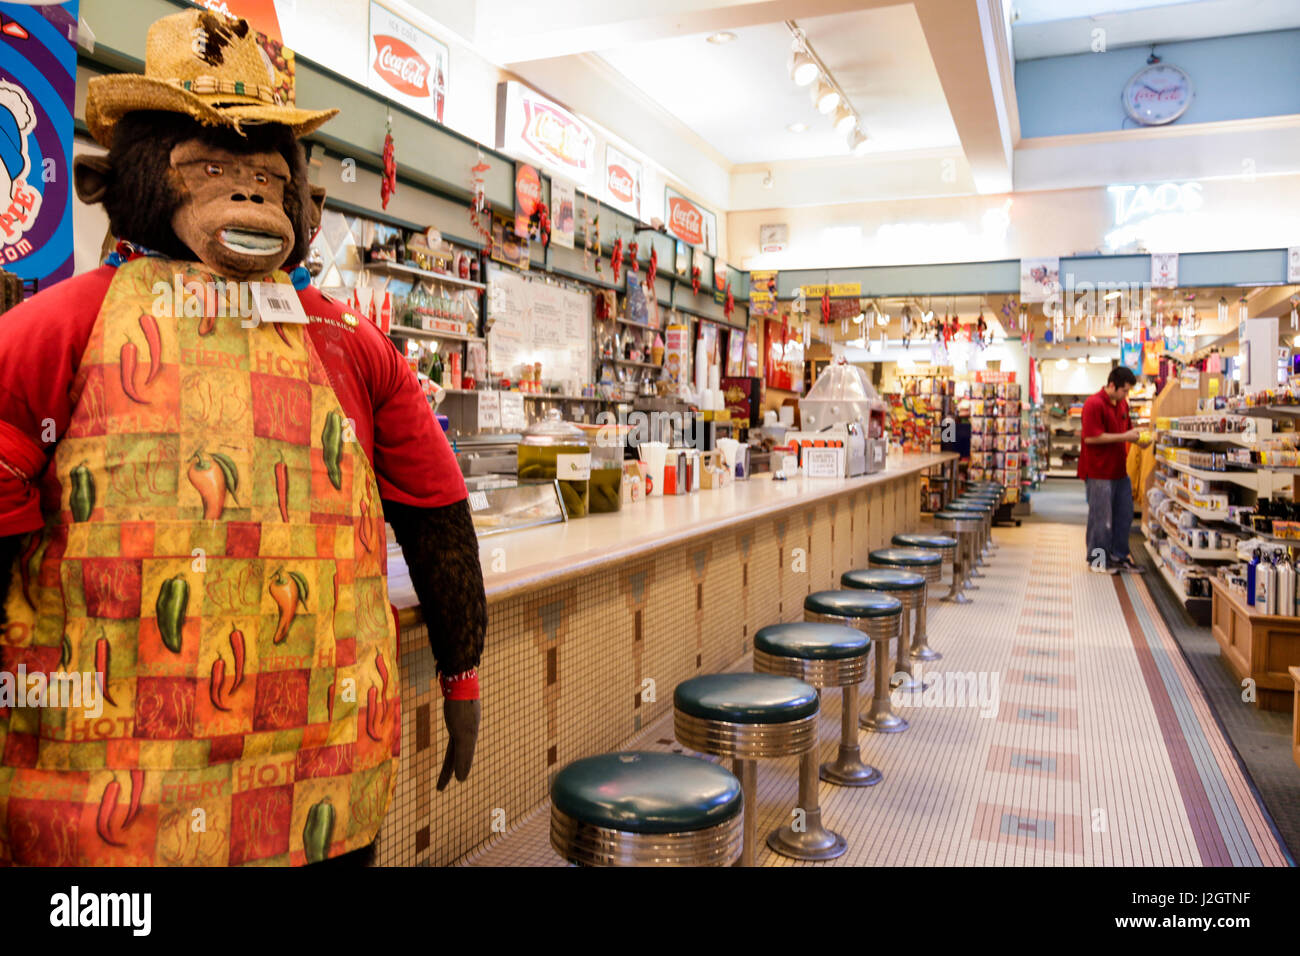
{"x": 1103, "y": 467}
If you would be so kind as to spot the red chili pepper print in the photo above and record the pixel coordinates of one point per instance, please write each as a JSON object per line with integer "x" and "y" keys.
{"x": 215, "y": 681}
{"x": 102, "y": 654}
{"x": 137, "y": 791}
{"x": 237, "y": 650}
{"x": 383, "y": 676}
{"x": 130, "y": 362}
{"x": 282, "y": 489}
{"x": 149, "y": 326}
{"x": 104, "y": 820}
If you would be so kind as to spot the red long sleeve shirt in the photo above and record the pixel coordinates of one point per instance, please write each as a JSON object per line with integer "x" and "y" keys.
{"x": 42, "y": 342}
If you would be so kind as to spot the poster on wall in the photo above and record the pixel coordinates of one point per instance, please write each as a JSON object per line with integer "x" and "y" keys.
{"x": 37, "y": 88}
{"x": 260, "y": 14}
{"x": 508, "y": 247}
{"x": 528, "y": 193}
{"x": 406, "y": 64}
{"x": 689, "y": 222}
{"x": 563, "y": 203}
{"x": 1040, "y": 279}
{"x": 762, "y": 294}
{"x": 719, "y": 281}
{"x": 736, "y": 352}
{"x": 623, "y": 181}
{"x": 1164, "y": 270}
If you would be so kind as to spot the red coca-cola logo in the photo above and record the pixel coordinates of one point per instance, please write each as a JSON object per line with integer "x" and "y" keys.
{"x": 685, "y": 221}
{"x": 528, "y": 189}
{"x": 621, "y": 184}
{"x": 403, "y": 68}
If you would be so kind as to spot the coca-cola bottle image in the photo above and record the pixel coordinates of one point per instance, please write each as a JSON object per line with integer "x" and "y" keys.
{"x": 439, "y": 91}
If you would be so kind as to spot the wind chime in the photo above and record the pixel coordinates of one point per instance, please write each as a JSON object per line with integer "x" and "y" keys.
{"x": 905, "y": 323}
{"x": 1242, "y": 312}
{"x": 1223, "y": 309}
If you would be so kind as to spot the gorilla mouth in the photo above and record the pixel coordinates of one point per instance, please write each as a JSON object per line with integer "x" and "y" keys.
{"x": 251, "y": 242}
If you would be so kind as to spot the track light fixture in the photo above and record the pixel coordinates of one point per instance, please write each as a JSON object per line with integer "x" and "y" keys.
{"x": 807, "y": 69}
{"x": 803, "y": 70}
{"x": 857, "y": 142}
{"x": 844, "y": 120}
{"x": 825, "y": 97}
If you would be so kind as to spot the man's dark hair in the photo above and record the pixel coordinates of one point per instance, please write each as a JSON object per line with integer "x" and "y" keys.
{"x": 1120, "y": 376}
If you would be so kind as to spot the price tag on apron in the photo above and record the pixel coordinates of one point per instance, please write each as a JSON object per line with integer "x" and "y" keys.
{"x": 276, "y": 302}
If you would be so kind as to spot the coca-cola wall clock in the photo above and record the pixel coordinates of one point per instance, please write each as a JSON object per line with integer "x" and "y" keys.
{"x": 406, "y": 65}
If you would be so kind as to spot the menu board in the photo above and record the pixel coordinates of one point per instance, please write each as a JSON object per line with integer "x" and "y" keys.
{"x": 532, "y": 321}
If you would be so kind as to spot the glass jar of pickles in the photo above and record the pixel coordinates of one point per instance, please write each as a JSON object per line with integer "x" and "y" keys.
{"x": 552, "y": 449}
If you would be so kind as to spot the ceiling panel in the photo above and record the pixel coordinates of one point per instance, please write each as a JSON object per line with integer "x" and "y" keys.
{"x": 739, "y": 98}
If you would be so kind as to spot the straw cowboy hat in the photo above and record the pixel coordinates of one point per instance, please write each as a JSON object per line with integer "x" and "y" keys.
{"x": 204, "y": 65}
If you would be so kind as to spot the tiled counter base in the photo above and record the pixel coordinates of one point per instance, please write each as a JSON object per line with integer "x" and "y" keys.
{"x": 579, "y": 667}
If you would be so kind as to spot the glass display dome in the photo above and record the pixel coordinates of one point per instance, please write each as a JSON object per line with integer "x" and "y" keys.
{"x": 841, "y": 394}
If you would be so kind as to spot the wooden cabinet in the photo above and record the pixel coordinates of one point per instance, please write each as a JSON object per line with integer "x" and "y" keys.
{"x": 1257, "y": 646}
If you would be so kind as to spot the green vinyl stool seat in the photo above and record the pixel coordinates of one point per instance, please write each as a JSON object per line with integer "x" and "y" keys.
{"x": 747, "y": 717}
{"x": 825, "y": 655}
{"x": 646, "y": 809}
{"x": 879, "y": 615}
{"x": 894, "y": 570}
{"x": 942, "y": 543}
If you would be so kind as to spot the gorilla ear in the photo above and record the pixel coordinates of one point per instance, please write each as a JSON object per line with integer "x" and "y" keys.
{"x": 316, "y": 208}
{"x": 90, "y": 177}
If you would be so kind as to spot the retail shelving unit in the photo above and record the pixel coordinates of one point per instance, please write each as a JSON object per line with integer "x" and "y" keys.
{"x": 1064, "y": 419}
{"x": 916, "y": 415}
{"x": 1195, "y": 534}
{"x": 997, "y": 439}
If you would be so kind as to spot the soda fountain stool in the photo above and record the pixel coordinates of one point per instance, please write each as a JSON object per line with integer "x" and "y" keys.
{"x": 965, "y": 526}
{"x": 880, "y": 617}
{"x": 749, "y": 717}
{"x": 947, "y": 549}
{"x": 822, "y": 655}
{"x": 647, "y": 809}
{"x": 985, "y": 513}
{"x": 909, "y": 586}
{"x": 994, "y": 501}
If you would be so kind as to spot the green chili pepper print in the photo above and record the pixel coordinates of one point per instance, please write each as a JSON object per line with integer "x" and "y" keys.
{"x": 82, "y": 497}
{"x": 318, "y": 832}
{"x": 173, "y": 598}
{"x": 331, "y": 441}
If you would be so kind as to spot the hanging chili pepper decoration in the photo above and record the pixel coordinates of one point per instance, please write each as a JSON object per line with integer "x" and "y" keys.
{"x": 730, "y": 305}
{"x": 826, "y": 307}
{"x": 388, "y": 185}
{"x": 695, "y": 279}
{"x": 652, "y": 269}
{"x": 632, "y": 250}
{"x": 539, "y": 224}
{"x": 981, "y": 327}
{"x": 616, "y": 257}
{"x": 595, "y": 247}
{"x": 479, "y": 209}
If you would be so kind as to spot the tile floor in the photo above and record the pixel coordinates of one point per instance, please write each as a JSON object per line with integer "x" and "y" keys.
{"x": 1087, "y": 740}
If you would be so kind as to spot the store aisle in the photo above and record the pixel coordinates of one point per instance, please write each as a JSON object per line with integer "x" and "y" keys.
{"x": 1086, "y": 740}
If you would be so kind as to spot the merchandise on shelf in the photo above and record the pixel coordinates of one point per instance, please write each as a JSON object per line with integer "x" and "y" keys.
{"x": 996, "y": 449}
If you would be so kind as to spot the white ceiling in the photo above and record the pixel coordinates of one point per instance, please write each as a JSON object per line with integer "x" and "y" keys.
{"x": 739, "y": 98}
{"x": 1042, "y": 28}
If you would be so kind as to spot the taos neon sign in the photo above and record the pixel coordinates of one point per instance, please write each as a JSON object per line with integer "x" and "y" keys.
{"x": 1140, "y": 202}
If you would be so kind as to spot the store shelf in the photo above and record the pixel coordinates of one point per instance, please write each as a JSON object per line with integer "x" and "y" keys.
{"x": 411, "y": 272}
{"x": 571, "y": 398}
{"x": 410, "y": 332}
{"x": 1222, "y": 438}
{"x": 1267, "y": 411}
{"x": 632, "y": 364}
{"x": 1244, "y": 478}
{"x": 1274, "y": 539}
{"x": 1197, "y": 554}
{"x": 1205, "y": 514}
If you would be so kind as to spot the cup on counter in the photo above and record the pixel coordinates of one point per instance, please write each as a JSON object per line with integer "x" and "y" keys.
{"x": 728, "y": 448}
{"x": 653, "y": 453}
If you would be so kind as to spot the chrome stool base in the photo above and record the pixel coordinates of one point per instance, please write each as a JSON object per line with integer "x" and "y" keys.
{"x": 957, "y": 598}
{"x": 811, "y": 841}
{"x": 848, "y": 770}
{"x": 889, "y": 723}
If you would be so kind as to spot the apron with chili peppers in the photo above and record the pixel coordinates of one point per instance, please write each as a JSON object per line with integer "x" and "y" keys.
{"x": 214, "y": 553}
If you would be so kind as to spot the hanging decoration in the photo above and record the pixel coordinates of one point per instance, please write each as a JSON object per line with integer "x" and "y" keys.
{"x": 652, "y": 269}
{"x": 981, "y": 329}
{"x": 1242, "y": 312}
{"x": 906, "y": 324}
{"x": 729, "y": 306}
{"x": 480, "y": 212}
{"x": 1295, "y": 320}
{"x": 594, "y": 245}
{"x": 388, "y": 184}
{"x": 826, "y": 308}
{"x": 632, "y": 250}
{"x": 695, "y": 279}
{"x": 616, "y": 257}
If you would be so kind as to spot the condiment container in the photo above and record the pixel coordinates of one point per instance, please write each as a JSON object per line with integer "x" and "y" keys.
{"x": 553, "y": 449}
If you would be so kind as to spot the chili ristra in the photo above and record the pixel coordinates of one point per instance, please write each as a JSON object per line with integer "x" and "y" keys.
{"x": 81, "y": 498}
{"x": 318, "y": 831}
{"x": 331, "y": 442}
{"x": 173, "y": 598}
{"x": 149, "y": 326}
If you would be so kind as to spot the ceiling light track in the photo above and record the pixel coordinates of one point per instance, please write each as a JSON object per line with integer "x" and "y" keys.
{"x": 828, "y": 97}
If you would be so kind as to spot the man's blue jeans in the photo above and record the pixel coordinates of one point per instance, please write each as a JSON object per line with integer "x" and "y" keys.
{"x": 1110, "y": 516}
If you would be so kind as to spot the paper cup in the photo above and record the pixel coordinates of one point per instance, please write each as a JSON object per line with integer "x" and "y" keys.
{"x": 653, "y": 453}
{"x": 728, "y": 448}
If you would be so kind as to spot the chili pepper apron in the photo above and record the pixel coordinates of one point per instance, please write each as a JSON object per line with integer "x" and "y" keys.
{"x": 214, "y": 553}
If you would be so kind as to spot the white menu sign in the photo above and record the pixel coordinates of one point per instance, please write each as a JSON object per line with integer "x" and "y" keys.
{"x": 1164, "y": 270}
{"x": 406, "y": 65}
{"x": 489, "y": 410}
{"x": 513, "y": 418}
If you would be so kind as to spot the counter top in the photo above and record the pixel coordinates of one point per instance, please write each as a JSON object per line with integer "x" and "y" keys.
{"x": 548, "y": 554}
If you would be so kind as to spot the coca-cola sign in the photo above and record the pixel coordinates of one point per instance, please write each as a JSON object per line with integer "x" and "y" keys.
{"x": 621, "y": 184}
{"x": 689, "y": 222}
{"x": 685, "y": 221}
{"x": 407, "y": 65}
{"x": 403, "y": 68}
{"x": 537, "y": 130}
